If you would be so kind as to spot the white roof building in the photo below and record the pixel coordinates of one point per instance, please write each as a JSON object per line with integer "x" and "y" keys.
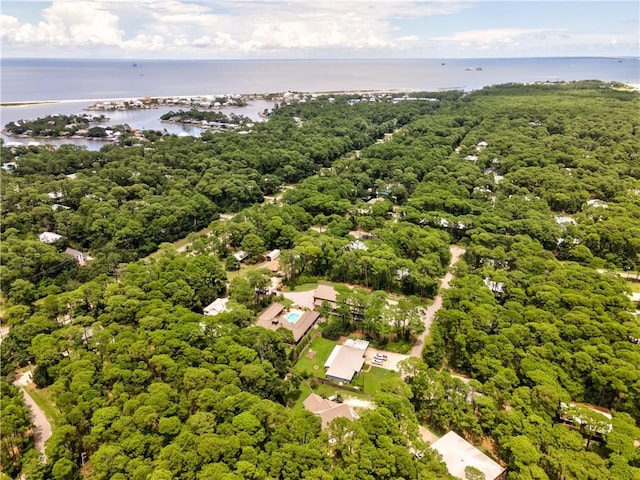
{"x": 495, "y": 287}
{"x": 219, "y": 305}
{"x": 563, "y": 220}
{"x": 344, "y": 362}
{"x": 458, "y": 454}
{"x": 273, "y": 255}
{"x": 357, "y": 245}
{"x": 597, "y": 203}
{"x": 49, "y": 237}
{"x": 240, "y": 255}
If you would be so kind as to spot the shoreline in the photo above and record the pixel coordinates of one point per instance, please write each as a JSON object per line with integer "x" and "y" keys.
{"x": 22, "y": 103}
{"x": 30, "y": 103}
{"x": 27, "y": 103}
{"x": 6, "y": 133}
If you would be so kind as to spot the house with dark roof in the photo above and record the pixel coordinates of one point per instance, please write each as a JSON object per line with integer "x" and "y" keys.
{"x": 271, "y": 314}
{"x": 325, "y": 293}
{"x": 80, "y": 257}
{"x": 297, "y": 322}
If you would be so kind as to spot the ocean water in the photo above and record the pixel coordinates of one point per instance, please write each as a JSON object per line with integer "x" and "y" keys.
{"x": 29, "y": 79}
{"x": 77, "y": 83}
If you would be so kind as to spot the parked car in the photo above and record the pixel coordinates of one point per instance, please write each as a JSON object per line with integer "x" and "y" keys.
{"x": 381, "y": 356}
{"x": 377, "y": 361}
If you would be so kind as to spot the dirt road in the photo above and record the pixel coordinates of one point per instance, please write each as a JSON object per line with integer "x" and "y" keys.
{"x": 430, "y": 313}
{"x": 42, "y": 430}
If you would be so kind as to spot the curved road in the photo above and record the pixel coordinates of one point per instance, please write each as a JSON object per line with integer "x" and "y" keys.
{"x": 430, "y": 312}
{"x": 42, "y": 427}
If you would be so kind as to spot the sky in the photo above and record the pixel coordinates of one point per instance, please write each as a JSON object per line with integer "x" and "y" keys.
{"x": 250, "y": 29}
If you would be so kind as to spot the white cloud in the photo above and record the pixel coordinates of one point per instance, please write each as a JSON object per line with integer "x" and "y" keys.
{"x": 490, "y": 38}
{"x": 68, "y": 22}
{"x": 221, "y": 27}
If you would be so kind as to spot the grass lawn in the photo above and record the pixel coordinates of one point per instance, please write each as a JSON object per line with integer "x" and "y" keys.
{"x": 370, "y": 380}
{"x": 244, "y": 269}
{"x": 300, "y": 395}
{"x": 305, "y": 287}
{"x": 633, "y": 286}
{"x": 44, "y": 399}
{"x": 315, "y": 365}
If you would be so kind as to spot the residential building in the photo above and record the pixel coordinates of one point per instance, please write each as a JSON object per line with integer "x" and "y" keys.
{"x": 327, "y": 410}
{"x": 273, "y": 255}
{"x": 218, "y": 306}
{"x": 458, "y": 455}
{"x": 325, "y": 293}
{"x": 344, "y": 362}
{"x": 50, "y": 237}
{"x": 271, "y": 314}
{"x": 240, "y": 255}
{"x": 80, "y": 257}
{"x": 274, "y": 318}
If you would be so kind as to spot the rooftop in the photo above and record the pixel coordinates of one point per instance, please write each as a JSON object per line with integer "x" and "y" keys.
{"x": 325, "y": 292}
{"x": 270, "y": 314}
{"x": 219, "y": 305}
{"x": 327, "y": 410}
{"x": 344, "y": 362}
{"x": 272, "y": 319}
{"x": 459, "y": 454}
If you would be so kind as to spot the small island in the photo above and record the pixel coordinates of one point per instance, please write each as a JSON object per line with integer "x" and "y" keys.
{"x": 208, "y": 120}
{"x": 53, "y": 126}
{"x": 198, "y": 101}
{"x": 76, "y": 127}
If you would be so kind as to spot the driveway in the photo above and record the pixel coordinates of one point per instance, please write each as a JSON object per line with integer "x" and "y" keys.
{"x": 429, "y": 313}
{"x": 42, "y": 427}
{"x": 392, "y": 361}
{"x": 427, "y": 435}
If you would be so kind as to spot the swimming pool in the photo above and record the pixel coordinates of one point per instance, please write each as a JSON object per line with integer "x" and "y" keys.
{"x": 293, "y": 317}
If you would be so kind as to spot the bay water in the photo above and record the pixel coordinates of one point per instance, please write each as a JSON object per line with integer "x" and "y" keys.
{"x": 73, "y": 84}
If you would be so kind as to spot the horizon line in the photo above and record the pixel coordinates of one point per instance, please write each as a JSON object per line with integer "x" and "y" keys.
{"x": 134, "y": 59}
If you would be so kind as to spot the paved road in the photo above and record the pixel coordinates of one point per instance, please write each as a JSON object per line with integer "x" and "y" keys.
{"x": 626, "y": 275}
{"x": 430, "y": 313}
{"x": 42, "y": 430}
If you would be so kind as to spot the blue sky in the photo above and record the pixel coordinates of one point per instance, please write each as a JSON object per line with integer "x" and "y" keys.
{"x": 147, "y": 29}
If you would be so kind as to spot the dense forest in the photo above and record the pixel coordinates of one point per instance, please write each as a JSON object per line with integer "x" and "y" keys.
{"x": 539, "y": 183}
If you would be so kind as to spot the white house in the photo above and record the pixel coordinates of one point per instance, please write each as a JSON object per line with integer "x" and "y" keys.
{"x": 219, "y": 305}
{"x": 273, "y": 255}
{"x": 458, "y": 455}
{"x": 49, "y": 237}
{"x": 344, "y": 362}
{"x": 495, "y": 287}
{"x": 240, "y": 255}
{"x": 597, "y": 203}
{"x": 357, "y": 245}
